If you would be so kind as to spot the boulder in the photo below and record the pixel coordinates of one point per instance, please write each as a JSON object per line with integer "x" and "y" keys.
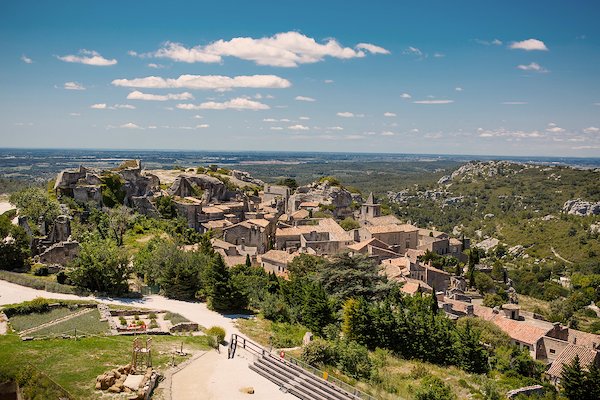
{"x": 114, "y": 389}
{"x": 580, "y": 207}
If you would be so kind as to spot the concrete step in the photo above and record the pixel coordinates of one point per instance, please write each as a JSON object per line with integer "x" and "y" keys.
{"x": 326, "y": 388}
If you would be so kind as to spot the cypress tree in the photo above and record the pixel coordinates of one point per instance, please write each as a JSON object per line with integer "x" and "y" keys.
{"x": 248, "y": 262}
{"x": 316, "y": 311}
{"x": 592, "y": 382}
{"x": 434, "y": 302}
{"x": 573, "y": 380}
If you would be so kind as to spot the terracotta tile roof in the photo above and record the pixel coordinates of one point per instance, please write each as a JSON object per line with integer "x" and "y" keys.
{"x": 279, "y": 256}
{"x": 217, "y": 224}
{"x": 384, "y": 220}
{"x": 413, "y": 254}
{"x": 586, "y": 357}
{"x": 412, "y": 286}
{"x": 455, "y": 242}
{"x": 365, "y": 243}
{"x": 427, "y": 232}
{"x": 260, "y": 222}
{"x": 519, "y": 331}
{"x": 583, "y": 338}
{"x": 385, "y": 228}
{"x": 309, "y": 204}
{"x": 212, "y": 210}
{"x": 300, "y": 214}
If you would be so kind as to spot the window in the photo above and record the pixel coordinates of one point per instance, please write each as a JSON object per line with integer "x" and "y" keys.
{"x": 552, "y": 351}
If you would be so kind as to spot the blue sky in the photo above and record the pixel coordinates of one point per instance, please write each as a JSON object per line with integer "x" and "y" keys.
{"x": 468, "y": 77}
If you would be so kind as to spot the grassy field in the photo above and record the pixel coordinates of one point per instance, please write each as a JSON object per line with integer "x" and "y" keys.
{"x": 22, "y": 322}
{"x": 74, "y": 364}
{"x": 87, "y": 324}
{"x": 265, "y": 332}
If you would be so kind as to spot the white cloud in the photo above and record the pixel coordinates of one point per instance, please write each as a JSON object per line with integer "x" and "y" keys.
{"x": 98, "y": 106}
{"x": 304, "y": 98}
{"x": 73, "y": 86}
{"x": 304, "y": 118}
{"x": 458, "y": 89}
{"x": 335, "y": 128}
{"x": 591, "y": 129}
{"x": 198, "y": 116}
{"x": 269, "y": 120}
{"x": 433, "y": 101}
{"x": 529, "y": 45}
{"x": 123, "y": 106}
{"x": 202, "y": 126}
{"x": 514, "y": 103}
{"x": 328, "y": 81}
{"x": 26, "y": 59}
{"x": 286, "y": 49}
{"x": 495, "y": 42}
{"x": 413, "y": 50}
{"x": 238, "y": 103}
{"x": 354, "y": 137}
{"x": 387, "y": 133}
{"x": 502, "y": 132}
{"x": 156, "y": 66}
{"x": 137, "y": 95}
{"x": 347, "y": 114}
{"x": 130, "y": 125}
{"x": 284, "y": 120}
{"x": 439, "y": 55}
{"x": 88, "y": 57}
{"x": 389, "y": 114}
{"x": 371, "y": 48}
{"x": 298, "y": 127}
{"x": 276, "y": 128}
{"x": 405, "y": 96}
{"x": 532, "y": 67}
{"x": 211, "y": 82}
{"x": 74, "y": 114}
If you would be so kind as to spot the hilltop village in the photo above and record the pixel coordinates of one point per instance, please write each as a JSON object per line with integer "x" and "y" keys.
{"x": 256, "y": 224}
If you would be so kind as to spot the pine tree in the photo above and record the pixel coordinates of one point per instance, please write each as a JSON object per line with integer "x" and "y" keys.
{"x": 573, "y": 380}
{"x": 221, "y": 293}
{"x": 316, "y": 311}
{"x": 592, "y": 382}
{"x": 473, "y": 357}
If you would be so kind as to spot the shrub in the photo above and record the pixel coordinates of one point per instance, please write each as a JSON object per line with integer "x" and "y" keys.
{"x": 61, "y": 277}
{"x": 433, "y": 388}
{"x": 37, "y": 305}
{"x": 353, "y": 359}
{"x": 218, "y": 332}
{"x": 318, "y": 352}
{"x": 40, "y": 270}
{"x": 122, "y": 320}
{"x": 153, "y": 324}
{"x": 152, "y": 315}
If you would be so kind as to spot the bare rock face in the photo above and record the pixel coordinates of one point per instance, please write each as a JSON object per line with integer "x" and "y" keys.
{"x": 326, "y": 194}
{"x": 186, "y": 185}
{"x": 581, "y": 208}
{"x": 246, "y": 177}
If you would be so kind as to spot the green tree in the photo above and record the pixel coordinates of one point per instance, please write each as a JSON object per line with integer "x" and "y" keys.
{"x": 316, "y": 311}
{"x": 289, "y": 182}
{"x": 119, "y": 219}
{"x": 101, "y": 266}
{"x": 221, "y": 293}
{"x": 472, "y": 355}
{"x": 484, "y": 283}
{"x": 305, "y": 264}
{"x": 36, "y": 204}
{"x": 349, "y": 224}
{"x": 573, "y": 380}
{"x": 433, "y": 388}
{"x": 166, "y": 207}
{"x": 14, "y": 245}
{"x": 592, "y": 382}
{"x": 356, "y": 322}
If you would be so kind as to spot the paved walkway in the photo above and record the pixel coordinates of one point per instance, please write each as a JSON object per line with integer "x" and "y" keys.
{"x": 212, "y": 376}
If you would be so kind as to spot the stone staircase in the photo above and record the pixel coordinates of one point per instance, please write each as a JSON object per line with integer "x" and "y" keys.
{"x": 295, "y": 380}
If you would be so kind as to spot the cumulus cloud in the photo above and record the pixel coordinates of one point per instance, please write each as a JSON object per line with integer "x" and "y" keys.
{"x": 298, "y": 127}
{"x": 347, "y": 114}
{"x": 304, "y": 118}
{"x": 26, "y": 59}
{"x": 389, "y": 114}
{"x": 104, "y": 106}
{"x": 202, "y": 126}
{"x": 529, "y": 45}
{"x": 433, "y": 101}
{"x": 439, "y": 55}
{"x": 304, "y": 98}
{"x": 88, "y": 57}
{"x": 238, "y": 103}
{"x": 286, "y": 49}
{"x": 210, "y": 82}
{"x": 137, "y": 95}
{"x": 458, "y": 89}
{"x": 156, "y": 66}
{"x": 371, "y": 48}
{"x": 98, "y": 106}
{"x": 387, "y": 133}
{"x": 335, "y": 128}
{"x": 553, "y": 128}
{"x": 123, "y": 106}
{"x": 328, "y": 81}
{"x": 73, "y": 86}
{"x": 405, "y": 96}
{"x": 269, "y": 120}
{"x": 591, "y": 129}
{"x": 130, "y": 125}
{"x": 276, "y": 128}
{"x": 532, "y": 67}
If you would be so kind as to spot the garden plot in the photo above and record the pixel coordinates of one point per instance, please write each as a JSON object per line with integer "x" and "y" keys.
{"x": 157, "y": 322}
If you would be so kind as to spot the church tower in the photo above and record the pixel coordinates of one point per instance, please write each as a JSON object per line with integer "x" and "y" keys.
{"x": 370, "y": 209}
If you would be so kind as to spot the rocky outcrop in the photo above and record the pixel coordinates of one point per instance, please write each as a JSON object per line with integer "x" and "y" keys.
{"x": 208, "y": 187}
{"x": 581, "y": 208}
{"x": 246, "y": 177}
{"x": 338, "y": 198}
{"x": 475, "y": 169}
{"x": 60, "y": 253}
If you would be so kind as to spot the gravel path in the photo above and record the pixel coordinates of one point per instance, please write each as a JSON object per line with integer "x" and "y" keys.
{"x": 211, "y": 377}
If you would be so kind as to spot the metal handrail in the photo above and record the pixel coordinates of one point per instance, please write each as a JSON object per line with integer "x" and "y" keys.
{"x": 261, "y": 351}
